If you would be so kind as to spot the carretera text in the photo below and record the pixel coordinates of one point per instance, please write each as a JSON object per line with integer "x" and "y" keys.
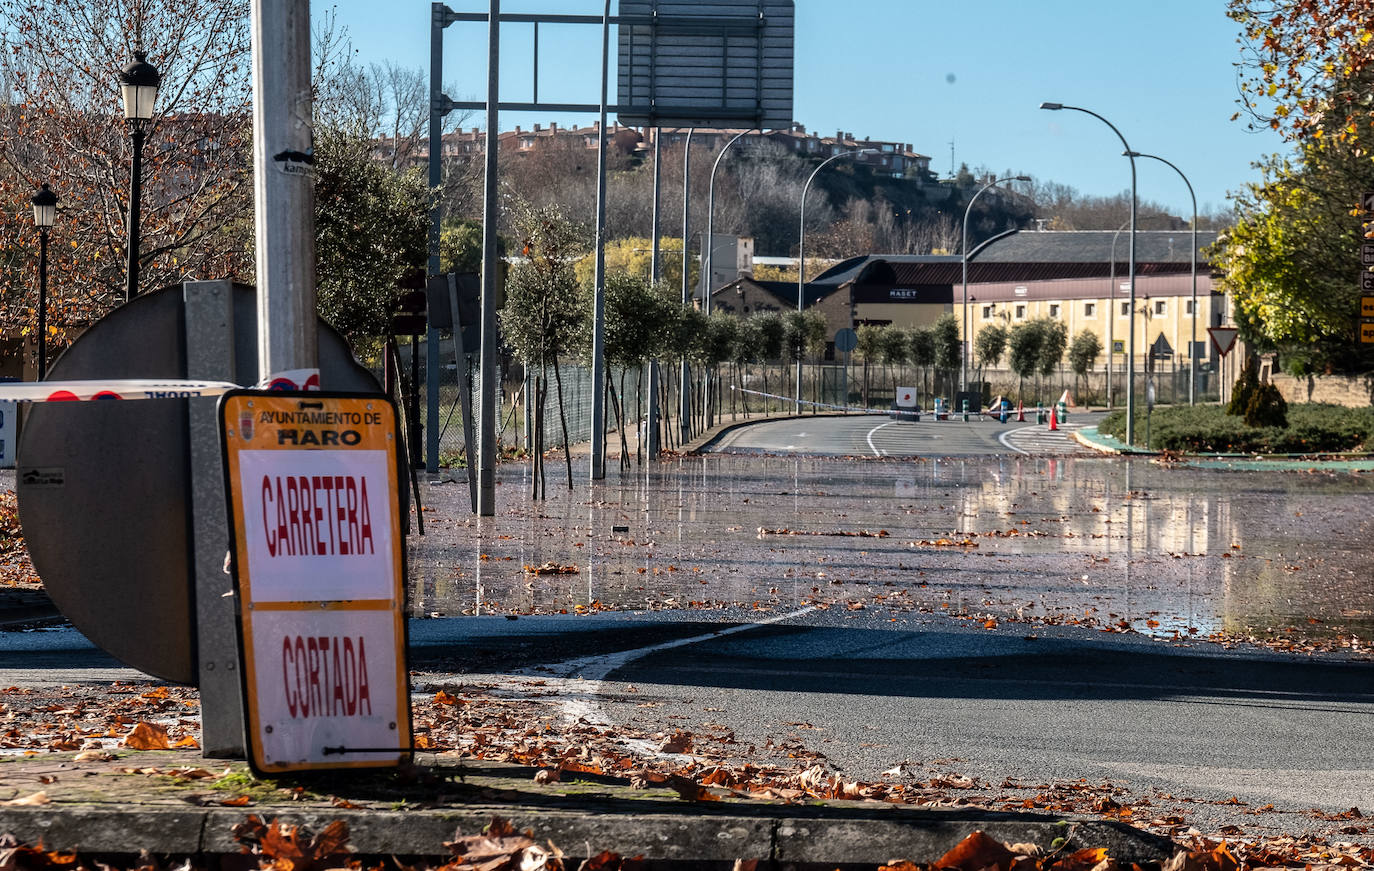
{"x": 316, "y": 515}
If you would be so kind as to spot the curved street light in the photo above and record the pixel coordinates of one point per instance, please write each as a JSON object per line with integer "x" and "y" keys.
{"x": 801, "y": 249}
{"x": 44, "y": 215}
{"x": 138, "y": 84}
{"x": 1192, "y": 343}
{"x": 1130, "y": 354}
{"x": 710, "y": 222}
{"x": 967, "y": 349}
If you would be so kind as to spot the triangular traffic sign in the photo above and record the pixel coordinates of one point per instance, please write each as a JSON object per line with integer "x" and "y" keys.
{"x": 1224, "y": 338}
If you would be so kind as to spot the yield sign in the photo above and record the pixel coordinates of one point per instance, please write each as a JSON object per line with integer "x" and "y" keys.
{"x": 1224, "y": 338}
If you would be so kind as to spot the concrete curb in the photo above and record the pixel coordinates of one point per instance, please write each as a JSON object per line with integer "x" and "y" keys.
{"x": 835, "y": 834}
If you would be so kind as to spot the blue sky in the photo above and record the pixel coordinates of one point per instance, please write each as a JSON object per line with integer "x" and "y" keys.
{"x": 972, "y": 73}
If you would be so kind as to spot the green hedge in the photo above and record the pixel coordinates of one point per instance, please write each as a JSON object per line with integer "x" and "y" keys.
{"x": 1312, "y": 428}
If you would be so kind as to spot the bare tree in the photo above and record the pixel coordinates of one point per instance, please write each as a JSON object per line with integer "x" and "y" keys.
{"x": 63, "y": 124}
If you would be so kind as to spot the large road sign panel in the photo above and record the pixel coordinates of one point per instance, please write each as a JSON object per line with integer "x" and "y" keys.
{"x": 1367, "y": 306}
{"x": 1367, "y": 280}
{"x": 705, "y": 63}
{"x": 1366, "y": 332}
{"x": 1367, "y": 254}
{"x": 319, "y": 571}
{"x": 1367, "y": 201}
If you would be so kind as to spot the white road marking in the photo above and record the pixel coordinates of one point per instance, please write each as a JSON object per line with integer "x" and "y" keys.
{"x": 1008, "y": 445}
{"x": 876, "y": 452}
{"x": 579, "y": 692}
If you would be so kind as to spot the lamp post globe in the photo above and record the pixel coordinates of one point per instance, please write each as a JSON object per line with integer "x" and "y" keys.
{"x": 44, "y": 215}
{"x": 138, "y": 85}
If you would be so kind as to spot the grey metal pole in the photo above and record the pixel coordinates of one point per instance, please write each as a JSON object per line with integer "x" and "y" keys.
{"x": 283, "y": 186}
{"x": 487, "y": 412}
{"x": 801, "y": 254}
{"x": 655, "y": 273}
{"x": 709, "y": 249}
{"x": 1111, "y": 312}
{"x": 438, "y": 21}
{"x": 1130, "y": 353}
{"x": 598, "y": 470}
{"x": 684, "y": 418}
{"x": 1192, "y": 361}
{"x": 964, "y": 353}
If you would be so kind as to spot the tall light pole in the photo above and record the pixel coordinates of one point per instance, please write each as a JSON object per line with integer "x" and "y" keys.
{"x": 1192, "y": 343}
{"x": 1130, "y": 352}
{"x": 964, "y": 354}
{"x": 1111, "y": 311}
{"x": 684, "y": 385}
{"x": 711, "y": 220}
{"x": 138, "y": 84}
{"x": 44, "y": 214}
{"x": 801, "y": 250}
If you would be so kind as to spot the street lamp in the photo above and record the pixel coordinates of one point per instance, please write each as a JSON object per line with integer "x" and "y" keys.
{"x": 44, "y": 214}
{"x": 138, "y": 83}
{"x": 801, "y": 249}
{"x": 711, "y": 218}
{"x": 1130, "y": 353}
{"x": 964, "y": 354}
{"x": 1192, "y": 344}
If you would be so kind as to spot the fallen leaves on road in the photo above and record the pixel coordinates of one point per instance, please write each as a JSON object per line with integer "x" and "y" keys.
{"x": 550, "y": 569}
{"x": 841, "y": 533}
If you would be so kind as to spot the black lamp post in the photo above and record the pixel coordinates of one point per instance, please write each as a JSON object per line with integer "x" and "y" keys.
{"x": 138, "y": 83}
{"x": 44, "y": 214}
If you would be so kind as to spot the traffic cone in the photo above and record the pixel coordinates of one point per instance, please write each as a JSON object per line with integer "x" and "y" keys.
{"x": 1020, "y": 412}
{"x": 1053, "y": 424}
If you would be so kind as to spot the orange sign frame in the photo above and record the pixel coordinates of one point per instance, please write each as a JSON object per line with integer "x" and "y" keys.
{"x": 318, "y": 559}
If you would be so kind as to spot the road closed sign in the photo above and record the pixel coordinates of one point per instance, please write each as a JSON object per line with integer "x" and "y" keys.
{"x": 319, "y": 574}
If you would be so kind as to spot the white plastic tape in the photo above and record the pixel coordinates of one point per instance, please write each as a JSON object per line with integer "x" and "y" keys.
{"x": 129, "y": 388}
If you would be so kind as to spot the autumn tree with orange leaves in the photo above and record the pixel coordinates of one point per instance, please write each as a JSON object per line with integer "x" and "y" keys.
{"x": 1303, "y": 62}
{"x": 62, "y": 122}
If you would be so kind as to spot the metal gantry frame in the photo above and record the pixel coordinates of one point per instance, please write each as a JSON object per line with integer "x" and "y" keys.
{"x": 440, "y": 105}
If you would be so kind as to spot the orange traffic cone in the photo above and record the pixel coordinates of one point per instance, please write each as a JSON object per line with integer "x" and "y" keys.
{"x": 1054, "y": 425}
{"x": 1020, "y": 412}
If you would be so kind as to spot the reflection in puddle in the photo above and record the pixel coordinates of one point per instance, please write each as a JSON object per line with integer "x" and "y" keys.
{"x": 1113, "y": 542}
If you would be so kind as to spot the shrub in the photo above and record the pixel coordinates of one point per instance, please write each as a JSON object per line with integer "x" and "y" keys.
{"x": 1310, "y": 428}
{"x": 1245, "y": 387}
{"x": 1266, "y": 407}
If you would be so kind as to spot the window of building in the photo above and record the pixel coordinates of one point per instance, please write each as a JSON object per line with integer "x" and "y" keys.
{"x": 1054, "y": 309}
{"x": 1125, "y": 309}
{"x": 987, "y": 312}
{"x": 1160, "y": 306}
{"x": 887, "y": 148}
{"x": 1089, "y": 310}
{"x": 1020, "y": 312}
{"x": 1188, "y": 307}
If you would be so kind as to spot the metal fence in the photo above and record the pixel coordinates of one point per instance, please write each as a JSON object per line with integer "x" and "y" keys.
{"x": 730, "y": 392}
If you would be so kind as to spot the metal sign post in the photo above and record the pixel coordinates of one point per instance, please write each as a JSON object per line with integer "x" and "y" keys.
{"x": 318, "y": 558}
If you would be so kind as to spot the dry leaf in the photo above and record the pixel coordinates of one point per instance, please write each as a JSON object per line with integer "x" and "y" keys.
{"x": 36, "y": 798}
{"x": 148, "y": 736}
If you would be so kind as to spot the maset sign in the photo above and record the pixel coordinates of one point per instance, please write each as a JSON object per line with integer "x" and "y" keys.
{"x": 318, "y": 565}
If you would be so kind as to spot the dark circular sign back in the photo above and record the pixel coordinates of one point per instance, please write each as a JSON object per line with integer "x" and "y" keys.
{"x": 104, "y": 487}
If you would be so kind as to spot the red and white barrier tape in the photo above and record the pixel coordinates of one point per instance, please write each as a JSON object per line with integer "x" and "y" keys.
{"x": 129, "y": 388}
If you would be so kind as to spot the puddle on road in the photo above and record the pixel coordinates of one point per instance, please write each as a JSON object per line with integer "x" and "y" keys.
{"x": 1063, "y": 539}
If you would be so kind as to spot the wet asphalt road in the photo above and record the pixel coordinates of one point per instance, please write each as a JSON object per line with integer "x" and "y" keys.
{"x": 680, "y": 551}
{"x": 880, "y": 436}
